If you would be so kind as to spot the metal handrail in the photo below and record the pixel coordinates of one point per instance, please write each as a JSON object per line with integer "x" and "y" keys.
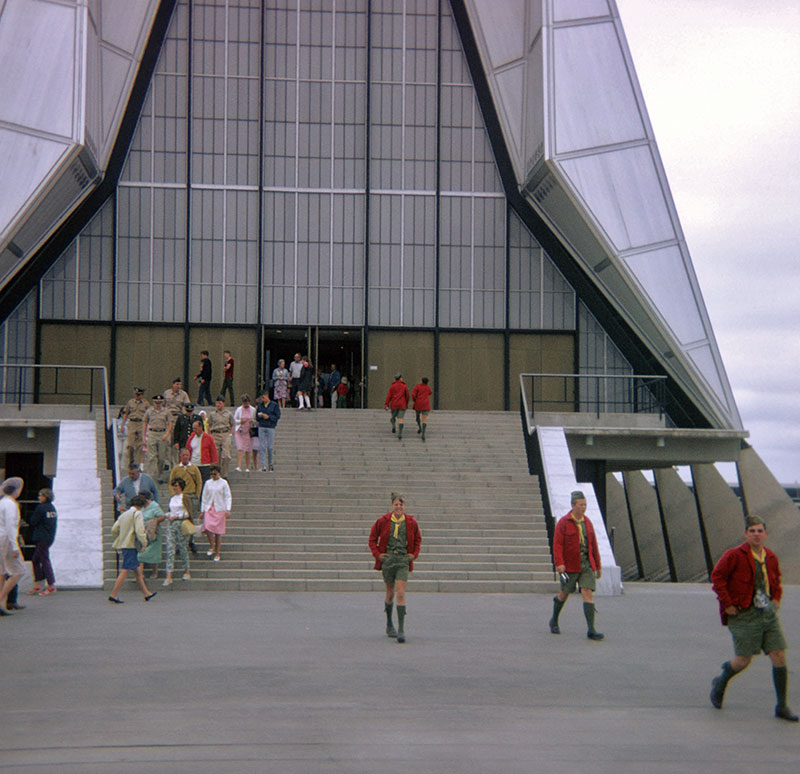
{"x": 642, "y": 393}
{"x": 22, "y": 394}
{"x": 58, "y": 368}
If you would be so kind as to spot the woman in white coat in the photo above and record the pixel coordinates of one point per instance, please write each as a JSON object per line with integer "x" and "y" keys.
{"x": 216, "y": 507}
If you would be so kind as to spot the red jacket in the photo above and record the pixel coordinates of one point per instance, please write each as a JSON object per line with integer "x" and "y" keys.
{"x": 208, "y": 449}
{"x": 397, "y": 397}
{"x": 567, "y": 544}
{"x": 734, "y": 578}
{"x": 421, "y": 395}
{"x": 379, "y": 538}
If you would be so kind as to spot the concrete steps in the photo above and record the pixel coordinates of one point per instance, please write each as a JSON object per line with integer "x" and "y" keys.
{"x": 304, "y": 527}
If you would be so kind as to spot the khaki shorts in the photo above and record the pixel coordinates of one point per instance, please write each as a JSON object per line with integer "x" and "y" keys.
{"x": 755, "y": 630}
{"x": 395, "y": 568}
{"x": 398, "y": 413}
{"x": 587, "y": 578}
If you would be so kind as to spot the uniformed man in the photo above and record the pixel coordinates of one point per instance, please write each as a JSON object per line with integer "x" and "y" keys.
{"x": 133, "y": 420}
{"x": 175, "y": 398}
{"x": 158, "y": 425}
{"x": 220, "y": 425}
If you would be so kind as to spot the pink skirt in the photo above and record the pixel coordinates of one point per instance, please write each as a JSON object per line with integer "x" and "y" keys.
{"x": 214, "y": 521}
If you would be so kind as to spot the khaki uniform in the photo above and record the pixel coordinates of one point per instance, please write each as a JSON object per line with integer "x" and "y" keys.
{"x": 158, "y": 421}
{"x": 174, "y": 401}
{"x": 220, "y": 425}
{"x": 133, "y": 413}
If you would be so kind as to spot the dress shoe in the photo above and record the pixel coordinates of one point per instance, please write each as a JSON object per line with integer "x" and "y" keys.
{"x": 595, "y": 636}
{"x": 115, "y": 600}
{"x": 784, "y": 713}
{"x": 15, "y": 606}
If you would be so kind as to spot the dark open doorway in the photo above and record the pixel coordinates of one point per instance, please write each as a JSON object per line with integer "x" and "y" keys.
{"x": 325, "y": 346}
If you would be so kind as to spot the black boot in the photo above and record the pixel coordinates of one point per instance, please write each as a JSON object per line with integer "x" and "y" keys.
{"x": 399, "y": 431}
{"x": 589, "y": 611}
{"x": 390, "y": 630}
{"x": 557, "y": 605}
{"x": 719, "y": 684}
{"x": 780, "y": 676}
{"x": 401, "y": 620}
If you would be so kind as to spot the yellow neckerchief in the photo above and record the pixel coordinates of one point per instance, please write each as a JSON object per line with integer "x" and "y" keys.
{"x": 397, "y": 522}
{"x": 581, "y": 528}
{"x": 762, "y": 560}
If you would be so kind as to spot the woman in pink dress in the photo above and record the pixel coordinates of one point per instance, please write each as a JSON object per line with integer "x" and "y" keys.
{"x": 216, "y": 507}
{"x": 243, "y": 418}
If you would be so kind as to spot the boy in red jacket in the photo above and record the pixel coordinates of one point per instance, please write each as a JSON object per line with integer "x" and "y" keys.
{"x": 421, "y": 395}
{"x": 397, "y": 401}
{"x": 577, "y": 560}
{"x": 747, "y": 582}
{"x": 395, "y": 541}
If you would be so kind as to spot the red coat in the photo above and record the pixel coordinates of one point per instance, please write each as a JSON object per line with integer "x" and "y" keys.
{"x": 379, "y": 538}
{"x": 421, "y": 394}
{"x": 208, "y": 449}
{"x": 397, "y": 397}
{"x": 567, "y": 544}
{"x": 734, "y": 578}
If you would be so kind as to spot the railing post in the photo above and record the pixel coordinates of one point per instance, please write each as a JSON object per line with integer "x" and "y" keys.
{"x": 19, "y": 388}
{"x": 91, "y": 390}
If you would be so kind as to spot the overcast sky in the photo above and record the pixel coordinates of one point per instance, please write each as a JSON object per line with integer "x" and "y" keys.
{"x": 721, "y": 79}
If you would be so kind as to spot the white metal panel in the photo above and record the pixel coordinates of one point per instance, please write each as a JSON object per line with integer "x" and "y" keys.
{"x": 622, "y": 191}
{"x": 502, "y": 29}
{"x": 25, "y": 162}
{"x": 594, "y": 100}
{"x": 662, "y": 275}
{"x": 564, "y": 10}
{"x": 125, "y": 22}
{"x": 38, "y": 52}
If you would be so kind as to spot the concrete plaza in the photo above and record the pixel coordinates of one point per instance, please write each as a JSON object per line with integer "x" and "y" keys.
{"x": 307, "y": 682}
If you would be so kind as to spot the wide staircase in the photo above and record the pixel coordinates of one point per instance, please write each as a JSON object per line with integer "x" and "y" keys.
{"x": 304, "y": 527}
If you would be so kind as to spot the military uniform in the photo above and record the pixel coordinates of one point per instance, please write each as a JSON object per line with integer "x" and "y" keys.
{"x": 174, "y": 402}
{"x": 158, "y": 425}
{"x": 133, "y": 416}
{"x": 220, "y": 425}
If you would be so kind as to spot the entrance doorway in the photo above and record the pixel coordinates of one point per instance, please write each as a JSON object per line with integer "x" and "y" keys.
{"x": 325, "y": 347}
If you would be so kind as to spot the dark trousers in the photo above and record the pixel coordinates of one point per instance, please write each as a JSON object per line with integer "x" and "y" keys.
{"x": 205, "y": 393}
{"x": 227, "y": 384}
{"x": 42, "y": 569}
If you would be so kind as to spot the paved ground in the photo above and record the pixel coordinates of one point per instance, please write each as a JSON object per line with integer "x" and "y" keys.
{"x": 305, "y": 682}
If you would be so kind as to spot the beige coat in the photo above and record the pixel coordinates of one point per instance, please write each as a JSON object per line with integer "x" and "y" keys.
{"x": 127, "y": 528}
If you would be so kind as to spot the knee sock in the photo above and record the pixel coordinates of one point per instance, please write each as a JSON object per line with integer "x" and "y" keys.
{"x": 557, "y": 607}
{"x": 390, "y": 630}
{"x": 401, "y": 618}
{"x": 780, "y": 677}
{"x": 589, "y": 611}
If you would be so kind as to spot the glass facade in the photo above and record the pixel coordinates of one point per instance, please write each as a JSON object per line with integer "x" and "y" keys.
{"x": 301, "y": 163}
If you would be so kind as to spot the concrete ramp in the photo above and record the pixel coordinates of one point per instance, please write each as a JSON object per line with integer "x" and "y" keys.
{"x": 560, "y": 482}
{"x": 77, "y": 553}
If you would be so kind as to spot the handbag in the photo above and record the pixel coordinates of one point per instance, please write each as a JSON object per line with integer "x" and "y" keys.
{"x": 187, "y": 527}
{"x": 254, "y": 431}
